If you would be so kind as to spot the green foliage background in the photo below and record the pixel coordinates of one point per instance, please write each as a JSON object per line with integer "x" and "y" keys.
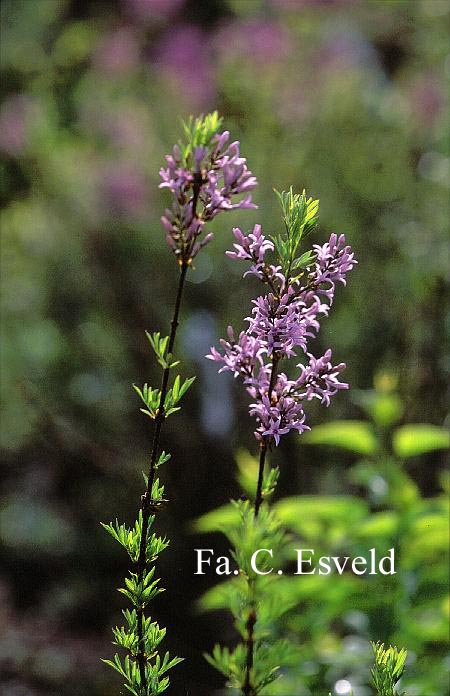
{"x": 347, "y": 99}
{"x": 328, "y": 624}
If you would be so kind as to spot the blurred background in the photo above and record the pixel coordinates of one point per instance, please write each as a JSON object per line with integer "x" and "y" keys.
{"x": 346, "y": 98}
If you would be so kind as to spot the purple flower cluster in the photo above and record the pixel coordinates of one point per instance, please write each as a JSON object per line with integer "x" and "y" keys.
{"x": 281, "y": 412}
{"x": 284, "y": 319}
{"x": 333, "y": 261}
{"x": 241, "y": 356}
{"x": 319, "y": 379}
{"x": 253, "y": 247}
{"x": 216, "y": 174}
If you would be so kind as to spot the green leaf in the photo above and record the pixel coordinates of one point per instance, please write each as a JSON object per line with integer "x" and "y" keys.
{"x": 176, "y": 389}
{"x": 186, "y": 385}
{"x": 199, "y": 132}
{"x": 157, "y": 491}
{"x": 412, "y": 440}
{"x": 219, "y": 596}
{"x": 220, "y": 659}
{"x": 387, "y": 409}
{"x": 162, "y": 459}
{"x": 117, "y": 665}
{"x": 431, "y": 539}
{"x": 388, "y": 668}
{"x": 247, "y": 471}
{"x": 159, "y": 345}
{"x": 141, "y": 590}
{"x": 354, "y": 436}
{"x": 175, "y": 393}
{"x": 380, "y": 525}
{"x": 303, "y": 260}
{"x": 172, "y": 409}
{"x": 151, "y": 398}
{"x": 270, "y": 482}
{"x": 311, "y": 515}
{"x": 169, "y": 663}
{"x": 300, "y": 216}
{"x": 128, "y": 538}
{"x": 384, "y": 408}
{"x": 222, "y": 518}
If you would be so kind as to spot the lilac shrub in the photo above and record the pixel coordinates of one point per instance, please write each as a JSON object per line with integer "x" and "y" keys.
{"x": 205, "y": 175}
{"x": 299, "y": 290}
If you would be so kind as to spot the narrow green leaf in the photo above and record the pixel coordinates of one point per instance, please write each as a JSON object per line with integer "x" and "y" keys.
{"x": 354, "y": 436}
{"x": 412, "y": 440}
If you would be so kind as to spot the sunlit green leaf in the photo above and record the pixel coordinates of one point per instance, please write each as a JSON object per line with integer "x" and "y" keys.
{"x": 222, "y": 518}
{"x": 378, "y": 526}
{"x": 354, "y": 436}
{"x": 247, "y": 471}
{"x": 412, "y": 440}
{"x": 313, "y": 512}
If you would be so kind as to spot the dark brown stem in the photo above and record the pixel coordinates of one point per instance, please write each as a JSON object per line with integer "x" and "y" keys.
{"x": 146, "y": 500}
{"x": 265, "y": 440}
{"x": 198, "y": 181}
{"x": 268, "y": 279}
{"x": 262, "y": 461}
{"x": 247, "y": 687}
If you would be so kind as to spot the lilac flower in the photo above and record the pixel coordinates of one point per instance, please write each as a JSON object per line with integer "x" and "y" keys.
{"x": 284, "y": 319}
{"x": 203, "y": 186}
{"x": 175, "y": 177}
{"x": 333, "y": 261}
{"x": 284, "y": 322}
{"x": 252, "y": 246}
{"x": 279, "y": 418}
{"x": 279, "y": 412}
{"x": 227, "y": 176}
{"x": 241, "y": 356}
{"x": 276, "y": 322}
{"x": 283, "y": 410}
{"x": 319, "y": 379}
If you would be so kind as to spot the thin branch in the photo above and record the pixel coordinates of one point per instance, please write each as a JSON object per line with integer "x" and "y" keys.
{"x": 146, "y": 500}
{"x": 264, "y": 441}
{"x": 247, "y": 688}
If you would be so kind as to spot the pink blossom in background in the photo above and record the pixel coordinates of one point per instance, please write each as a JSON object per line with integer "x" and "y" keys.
{"x": 344, "y": 49}
{"x": 143, "y": 10}
{"x": 296, "y": 4}
{"x": 127, "y": 129}
{"x": 118, "y": 52}
{"x": 427, "y": 100}
{"x": 184, "y": 55}
{"x": 124, "y": 189}
{"x": 15, "y": 116}
{"x": 260, "y": 41}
